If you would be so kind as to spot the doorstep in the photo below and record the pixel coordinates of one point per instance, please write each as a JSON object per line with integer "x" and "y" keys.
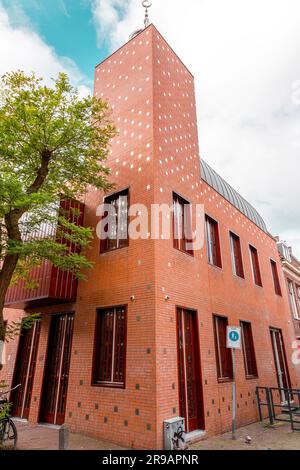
{"x": 195, "y": 436}
{"x": 49, "y": 426}
{"x": 20, "y": 420}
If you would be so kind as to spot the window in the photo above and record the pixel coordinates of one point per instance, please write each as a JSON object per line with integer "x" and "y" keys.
{"x": 236, "y": 253}
{"x": 182, "y": 224}
{"x": 116, "y": 223}
{"x": 298, "y": 295}
{"x": 213, "y": 242}
{"x": 248, "y": 350}
{"x": 110, "y": 348}
{"x": 275, "y": 278}
{"x": 223, "y": 354}
{"x": 255, "y": 266}
{"x": 293, "y": 300}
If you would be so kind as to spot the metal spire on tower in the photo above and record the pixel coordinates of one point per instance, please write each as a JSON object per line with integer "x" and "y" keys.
{"x": 146, "y": 4}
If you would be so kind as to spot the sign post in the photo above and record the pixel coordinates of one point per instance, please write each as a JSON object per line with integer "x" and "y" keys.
{"x": 233, "y": 343}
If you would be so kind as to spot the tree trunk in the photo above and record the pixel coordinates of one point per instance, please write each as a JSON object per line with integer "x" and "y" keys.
{"x": 9, "y": 265}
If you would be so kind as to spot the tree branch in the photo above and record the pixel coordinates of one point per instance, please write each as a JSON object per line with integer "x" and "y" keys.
{"x": 42, "y": 172}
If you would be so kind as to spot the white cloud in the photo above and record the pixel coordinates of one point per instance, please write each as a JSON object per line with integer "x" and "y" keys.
{"x": 23, "y": 49}
{"x": 108, "y": 14}
{"x": 245, "y": 58}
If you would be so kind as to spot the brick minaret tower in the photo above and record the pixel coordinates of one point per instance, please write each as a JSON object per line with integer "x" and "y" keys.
{"x": 156, "y": 153}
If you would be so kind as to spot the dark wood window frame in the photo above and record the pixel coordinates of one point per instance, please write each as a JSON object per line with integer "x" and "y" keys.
{"x": 236, "y": 255}
{"x": 109, "y": 359}
{"x": 223, "y": 354}
{"x": 179, "y": 221}
{"x": 255, "y": 266}
{"x": 213, "y": 242}
{"x": 248, "y": 350}
{"x": 276, "y": 280}
{"x": 115, "y": 243}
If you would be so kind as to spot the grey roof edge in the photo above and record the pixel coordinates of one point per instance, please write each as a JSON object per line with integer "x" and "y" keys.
{"x": 213, "y": 179}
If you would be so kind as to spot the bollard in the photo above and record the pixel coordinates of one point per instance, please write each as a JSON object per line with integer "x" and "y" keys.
{"x": 64, "y": 434}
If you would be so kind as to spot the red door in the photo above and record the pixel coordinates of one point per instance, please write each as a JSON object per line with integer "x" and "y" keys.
{"x": 190, "y": 387}
{"x": 56, "y": 377}
{"x": 24, "y": 371}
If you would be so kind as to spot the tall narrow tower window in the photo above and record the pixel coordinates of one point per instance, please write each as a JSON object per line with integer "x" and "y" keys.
{"x": 236, "y": 254}
{"x": 182, "y": 224}
{"x": 213, "y": 242}
{"x": 255, "y": 266}
{"x": 277, "y": 286}
{"x": 115, "y": 224}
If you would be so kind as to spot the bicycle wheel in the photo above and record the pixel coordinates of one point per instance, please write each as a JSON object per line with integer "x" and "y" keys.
{"x": 8, "y": 435}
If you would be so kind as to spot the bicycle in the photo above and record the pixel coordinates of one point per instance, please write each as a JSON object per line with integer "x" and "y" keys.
{"x": 8, "y": 430}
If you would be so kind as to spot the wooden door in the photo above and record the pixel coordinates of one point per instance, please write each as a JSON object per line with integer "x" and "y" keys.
{"x": 189, "y": 368}
{"x": 282, "y": 372}
{"x": 56, "y": 376}
{"x": 24, "y": 371}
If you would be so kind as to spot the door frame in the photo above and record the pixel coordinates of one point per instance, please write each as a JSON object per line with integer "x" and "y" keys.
{"x": 35, "y": 338}
{"x": 276, "y": 358}
{"x": 199, "y": 383}
{"x": 51, "y": 315}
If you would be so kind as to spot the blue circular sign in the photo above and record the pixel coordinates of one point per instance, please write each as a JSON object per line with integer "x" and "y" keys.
{"x": 234, "y": 336}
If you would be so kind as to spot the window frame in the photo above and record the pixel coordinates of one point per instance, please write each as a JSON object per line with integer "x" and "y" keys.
{"x": 252, "y": 351}
{"x": 256, "y": 271}
{"x": 276, "y": 280}
{"x": 104, "y": 248}
{"x": 180, "y": 244}
{"x": 298, "y": 294}
{"x": 220, "y": 373}
{"x": 293, "y": 299}
{"x": 233, "y": 236}
{"x": 211, "y": 256}
{"x": 95, "y": 382}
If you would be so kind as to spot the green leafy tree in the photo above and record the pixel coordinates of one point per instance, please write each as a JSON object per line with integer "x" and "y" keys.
{"x": 5, "y": 407}
{"x": 52, "y": 146}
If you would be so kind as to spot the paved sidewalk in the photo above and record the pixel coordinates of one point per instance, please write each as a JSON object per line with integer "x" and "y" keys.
{"x": 41, "y": 437}
{"x": 263, "y": 437}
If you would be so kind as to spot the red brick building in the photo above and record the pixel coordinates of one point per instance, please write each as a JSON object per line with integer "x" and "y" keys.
{"x": 145, "y": 339}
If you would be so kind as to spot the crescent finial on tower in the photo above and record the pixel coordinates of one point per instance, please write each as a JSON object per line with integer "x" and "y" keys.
{"x": 146, "y": 4}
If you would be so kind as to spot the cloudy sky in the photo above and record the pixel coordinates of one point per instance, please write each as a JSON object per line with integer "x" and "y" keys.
{"x": 245, "y": 55}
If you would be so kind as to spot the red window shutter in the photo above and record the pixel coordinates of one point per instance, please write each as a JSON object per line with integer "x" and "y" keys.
{"x": 237, "y": 255}
{"x": 276, "y": 278}
{"x": 213, "y": 242}
{"x": 255, "y": 266}
{"x": 248, "y": 350}
{"x": 223, "y": 354}
{"x": 106, "y": 342}
{"x": 181, "y": 224}
{"x": 119, "y": 360}
{"x": 226, "y": 352}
